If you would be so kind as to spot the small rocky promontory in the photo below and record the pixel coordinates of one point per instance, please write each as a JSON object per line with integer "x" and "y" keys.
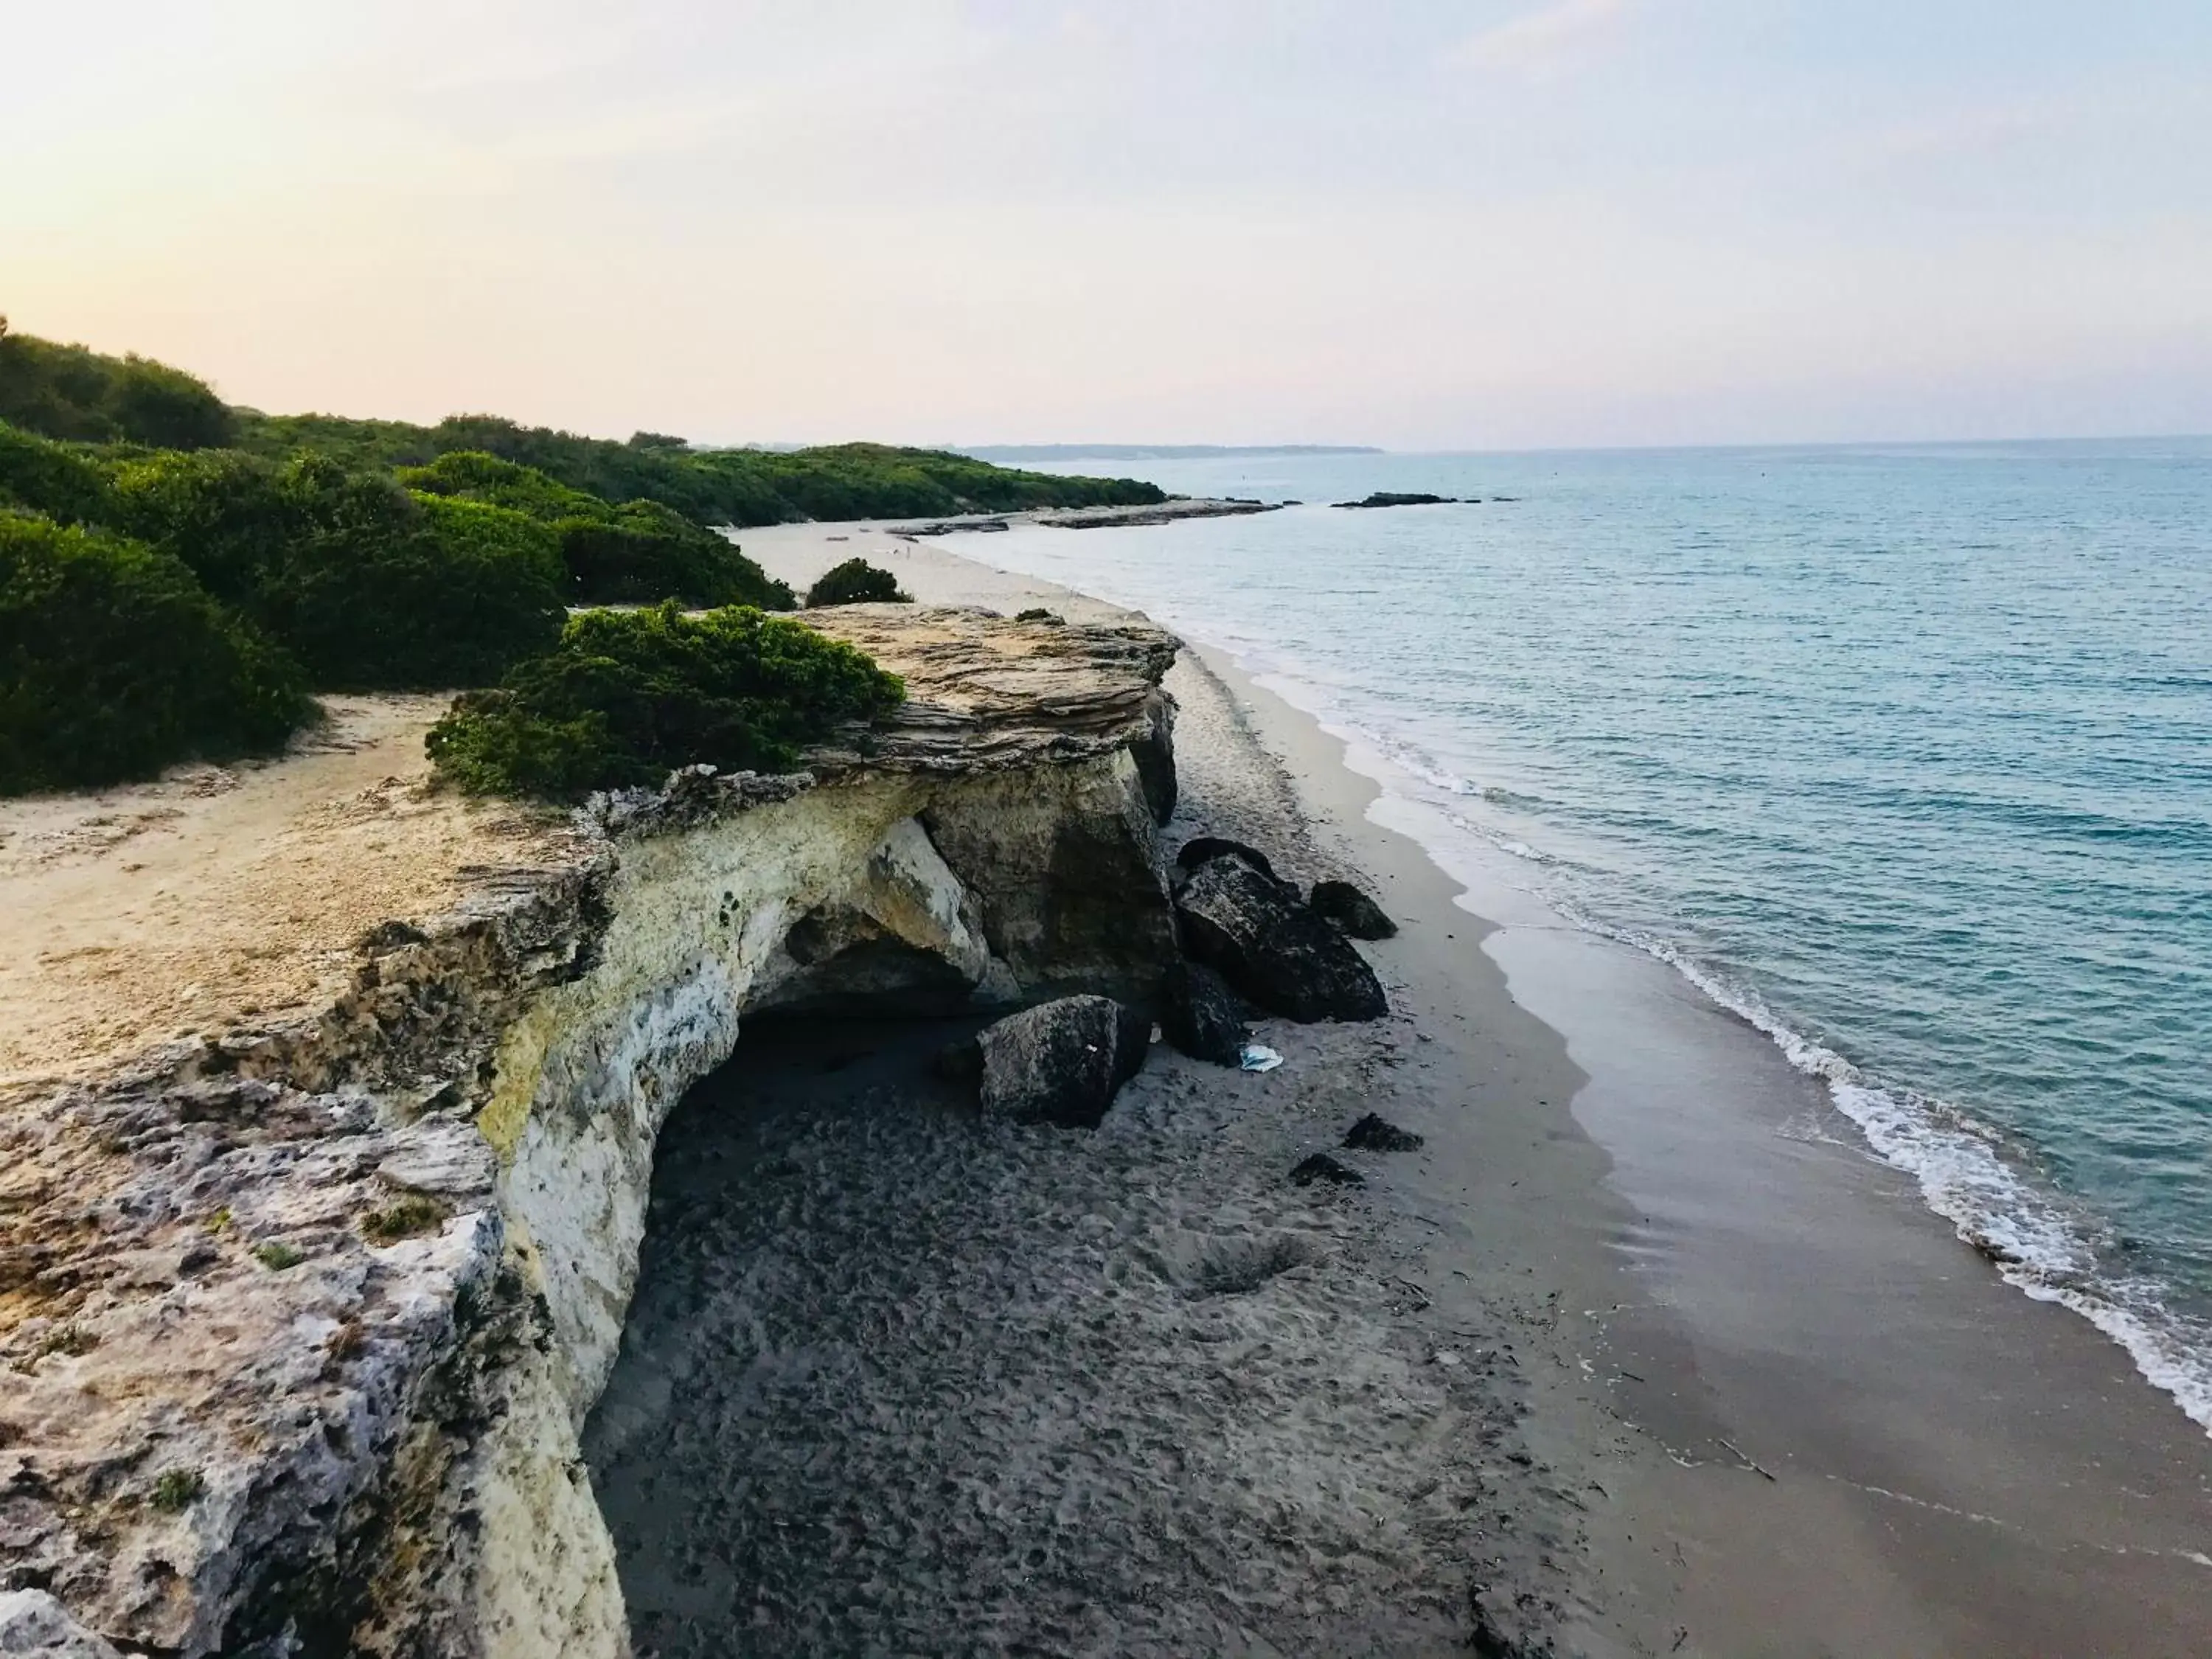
{"x": 308, "y": 1277}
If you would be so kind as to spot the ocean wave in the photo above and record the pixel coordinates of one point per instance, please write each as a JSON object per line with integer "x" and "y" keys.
{"x": 1967, "y": 1172}
{"x": 2037, "y": 1241}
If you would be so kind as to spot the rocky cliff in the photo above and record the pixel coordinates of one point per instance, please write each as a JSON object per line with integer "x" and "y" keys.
{"x": 301, "y": 1319}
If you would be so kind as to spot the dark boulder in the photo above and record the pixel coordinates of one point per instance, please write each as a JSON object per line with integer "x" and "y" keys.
{"x": 1271, "y": 948}
{"x": 1061, "y": 1062}
{"x": 1201, "y": 850}
{"x": 1374, "y": 1134}
{"x": 1341, "y": 902}
{"x": 1322, "y": 1167}
{"x": 1201, "y": 1016}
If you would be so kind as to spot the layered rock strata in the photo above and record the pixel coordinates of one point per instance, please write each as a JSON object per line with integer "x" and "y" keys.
{"x": 301, "y": 1322}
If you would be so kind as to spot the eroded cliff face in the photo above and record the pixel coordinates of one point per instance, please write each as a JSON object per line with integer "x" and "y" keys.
{"x": 303, "y": 1322}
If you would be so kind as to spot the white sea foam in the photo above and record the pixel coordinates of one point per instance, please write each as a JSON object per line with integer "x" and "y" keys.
{"x": 2038, "y": 1241}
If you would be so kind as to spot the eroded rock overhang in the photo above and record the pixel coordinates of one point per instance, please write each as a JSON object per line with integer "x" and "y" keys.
{"x": 303, "y": 1322}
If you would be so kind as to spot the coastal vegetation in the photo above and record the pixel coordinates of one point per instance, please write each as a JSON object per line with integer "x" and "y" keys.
{"x": 631, "y": 553}
{"x": 73, "y": 392}
{"x": 630, "y": 695}
{"x": 739, "y": 488}
{"x": 369, "y": 586}
{"x": 856, "y": 582}
{"x": 115, "y": 661}
{"x": 178, "y": 575}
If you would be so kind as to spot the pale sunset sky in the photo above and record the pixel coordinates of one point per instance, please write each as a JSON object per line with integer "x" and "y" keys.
{"x": 1497, "y": 223}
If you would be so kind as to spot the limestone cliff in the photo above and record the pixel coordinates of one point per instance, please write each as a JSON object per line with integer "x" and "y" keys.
{"x": 302, "y": 1319}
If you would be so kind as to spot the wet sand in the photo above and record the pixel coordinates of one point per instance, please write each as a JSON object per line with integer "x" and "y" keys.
{"x": 1956, "y": 1470}
{"x": 1739, "y": 1392}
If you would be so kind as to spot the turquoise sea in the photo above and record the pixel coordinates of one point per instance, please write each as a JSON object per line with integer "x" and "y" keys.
{"x": 1905, "y": 753}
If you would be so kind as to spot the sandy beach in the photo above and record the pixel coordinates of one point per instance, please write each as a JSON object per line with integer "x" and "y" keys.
{"x": 1652, "y": 1358}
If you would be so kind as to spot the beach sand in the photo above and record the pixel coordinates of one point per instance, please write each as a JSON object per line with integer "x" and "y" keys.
{"x": 1751, "y": 1396}
{"x": 218, "y": 896}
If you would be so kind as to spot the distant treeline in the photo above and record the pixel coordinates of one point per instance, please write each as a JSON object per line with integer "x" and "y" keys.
{"x": 737, "y": 487}
{"x": 177, "y": 576}
{"x": 71, "y": 392}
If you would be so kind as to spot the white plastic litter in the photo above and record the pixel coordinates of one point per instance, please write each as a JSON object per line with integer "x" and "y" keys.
{"x": 1258, "y": 1058}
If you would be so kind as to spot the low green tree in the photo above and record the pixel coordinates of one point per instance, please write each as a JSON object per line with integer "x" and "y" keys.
{"x": 227, "y": 515}
{"x": 382, "y": 591}
{"x": 638, "y": 553}
{"x": 114, "y": 663}
{"x": 59, "y": 480}
{"x": 72, "y": 391}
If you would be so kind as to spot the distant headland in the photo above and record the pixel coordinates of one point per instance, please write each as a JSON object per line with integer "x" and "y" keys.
{"x": 1003, "y": 453}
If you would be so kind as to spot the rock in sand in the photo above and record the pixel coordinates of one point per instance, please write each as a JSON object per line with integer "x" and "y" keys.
{"x": 1376, "y": 1134}
{"x": 1341, "y": 902}
{"x": 1322, "y": 1167}
{"x": 1061, "y": 1062}
{"x": 1201, "y": 1016}
{"x": 1271, "y": 948}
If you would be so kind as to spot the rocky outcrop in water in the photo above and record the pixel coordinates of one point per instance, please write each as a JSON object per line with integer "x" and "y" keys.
{"x": 1400, "y": 498}
{"x": 1165, "y": 513}
{"x": 1272, "y": 948}
{"x": 301, "y": 1322}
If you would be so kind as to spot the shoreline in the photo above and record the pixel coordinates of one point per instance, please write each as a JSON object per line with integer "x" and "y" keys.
{"x": 1814, "y": 1421}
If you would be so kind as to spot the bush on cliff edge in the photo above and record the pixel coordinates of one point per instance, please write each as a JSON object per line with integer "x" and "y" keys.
{"x": 630, "y": 695}
{"x": 115, "y": 663}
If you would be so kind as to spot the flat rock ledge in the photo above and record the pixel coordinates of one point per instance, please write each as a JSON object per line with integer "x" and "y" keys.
{"x": 299, "y": 1320}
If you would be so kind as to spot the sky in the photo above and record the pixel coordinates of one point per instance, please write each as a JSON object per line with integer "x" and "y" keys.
{"x": 1498, "y": 223}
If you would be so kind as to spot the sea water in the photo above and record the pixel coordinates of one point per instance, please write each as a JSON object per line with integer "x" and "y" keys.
{"x": 1904, "y": 753}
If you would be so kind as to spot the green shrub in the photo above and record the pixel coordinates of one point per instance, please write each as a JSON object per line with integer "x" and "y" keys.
{"x": 474, "y": 476}
{"x": 56, "y": 479}
{"x": 638, "y": 553}
{"x": 856, "y": 582}
{"x": 493, "y": 532}
{"x": 227, "y": 515}
{"x": 641, "y": 552}
{"x": 115, "y": 663}
{"x": 177, "y": 1490}
{"x": 384, "y": 590}
{"x": 72, "y": 391}
{"x": 630, "y": 695}
{"x": 403, "y": 1218}
{"x": 371, "y": 587}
